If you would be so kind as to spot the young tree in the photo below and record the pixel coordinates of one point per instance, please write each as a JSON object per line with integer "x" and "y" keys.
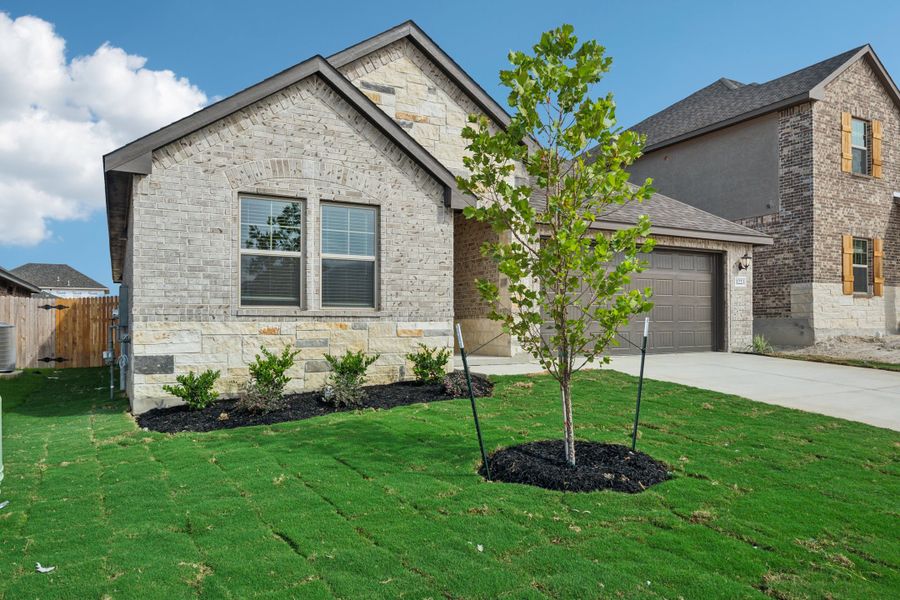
{"x": 565, "y": 280}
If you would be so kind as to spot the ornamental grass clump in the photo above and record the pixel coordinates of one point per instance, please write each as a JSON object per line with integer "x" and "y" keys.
{"x": 429, "y": 364}
{"x": 348, "y": 375}
{"x": 196, "y": 390}
{"x": 268, "y": 378}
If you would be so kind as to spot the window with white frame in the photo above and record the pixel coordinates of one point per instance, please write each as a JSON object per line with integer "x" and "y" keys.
{"x": 271, "y": 252}
{"x": 860, "y": 266}
{"x": 349, "y": 266}
{"x": 859, "y": 141}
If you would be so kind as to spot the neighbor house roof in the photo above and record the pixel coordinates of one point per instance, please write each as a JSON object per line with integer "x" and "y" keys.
{"x": 17, "y": 281}
{"x": 56, "y": 276}
{"x": 727, "y": 101}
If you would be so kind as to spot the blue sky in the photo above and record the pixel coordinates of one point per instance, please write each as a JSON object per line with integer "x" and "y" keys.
{"x": 662, "y": 51}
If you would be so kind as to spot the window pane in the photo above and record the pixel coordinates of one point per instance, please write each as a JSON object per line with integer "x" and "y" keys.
{"x": 859, "y": 133}
{"x": 335, "y": 242}
{"x": 860, "y": 161}
{"x": 860, "y": 252}
{"x": 271, "y": 225}
{"x": 860, "y": 279}
{"x": 270, "y": 280}
{"x": 348, "y": 283}
{"x": 348, "y": 230}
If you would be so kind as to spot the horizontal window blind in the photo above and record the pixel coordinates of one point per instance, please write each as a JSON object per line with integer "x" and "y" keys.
{"x": 348, "y": 256}
{"x": 270, "y": 280}
{"x": 348, "y": 283}
{"x": 271, "y": 247}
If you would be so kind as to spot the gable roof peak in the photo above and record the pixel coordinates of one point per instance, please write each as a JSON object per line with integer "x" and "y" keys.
{"x": 727, "y": 101}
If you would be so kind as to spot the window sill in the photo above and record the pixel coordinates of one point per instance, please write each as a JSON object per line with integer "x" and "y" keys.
{"x": 863, "y": 295}
{"x": 863, "y": 176}
{"x": 340, "y": 313}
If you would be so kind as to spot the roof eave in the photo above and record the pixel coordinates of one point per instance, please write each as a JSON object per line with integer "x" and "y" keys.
{"x": 19, "y": 281}
{"x": 755, "y": 240}
{"x": 764, "y": 110}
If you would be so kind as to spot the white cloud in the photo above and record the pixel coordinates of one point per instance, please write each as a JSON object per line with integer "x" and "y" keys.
{"x": 58, "y": 118}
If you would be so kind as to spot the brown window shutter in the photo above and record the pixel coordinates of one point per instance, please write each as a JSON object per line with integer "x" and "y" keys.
{"x": 878, "y": 257}
{"x": 846, "y": 151}
{"x": 847, "y": 257}
{"x": 877, "y": 130}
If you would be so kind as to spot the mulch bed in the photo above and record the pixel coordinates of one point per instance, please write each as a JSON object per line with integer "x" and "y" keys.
{"x": 598, "y": 466}
{"x": 225, "y": 415}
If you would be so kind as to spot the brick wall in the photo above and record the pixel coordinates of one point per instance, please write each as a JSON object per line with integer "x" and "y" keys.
{"x": 303, "y": 142}
{"x": 859, "y": 205}
{"x": 789, "y": 260}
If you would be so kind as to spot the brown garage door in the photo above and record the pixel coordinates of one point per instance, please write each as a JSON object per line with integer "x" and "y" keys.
{"x": 684, "y": 301}
{"x": 685, "y": 295}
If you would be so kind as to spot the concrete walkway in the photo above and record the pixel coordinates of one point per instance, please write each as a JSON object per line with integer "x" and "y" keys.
{"x": 854, "y": 393}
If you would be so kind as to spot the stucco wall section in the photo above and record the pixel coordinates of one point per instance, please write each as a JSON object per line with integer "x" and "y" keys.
{"x": 304, "y": 142}
{"x": 732, "y": 172}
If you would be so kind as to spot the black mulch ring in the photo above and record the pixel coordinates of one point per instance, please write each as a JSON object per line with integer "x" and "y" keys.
{"x": 225, "y": 415}
{"x": 598, "y": 466}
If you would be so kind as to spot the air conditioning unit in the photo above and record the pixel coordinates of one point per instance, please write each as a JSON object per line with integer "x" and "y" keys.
{"x": 7, "y": 348}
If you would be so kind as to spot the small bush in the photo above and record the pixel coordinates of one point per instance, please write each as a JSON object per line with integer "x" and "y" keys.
{"x": 196, "y": 390}
{"x": 348, "y": 374}
{"x": 268, "y": 378}
{"x": 761, "y": 345}
{"x": 429, "y": 364}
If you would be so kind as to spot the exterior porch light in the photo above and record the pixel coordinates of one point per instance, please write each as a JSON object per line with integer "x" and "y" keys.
{"x": 744, "y": 262}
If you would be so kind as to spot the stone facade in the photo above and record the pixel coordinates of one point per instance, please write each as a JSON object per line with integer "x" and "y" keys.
{"x": 182, "y": 266}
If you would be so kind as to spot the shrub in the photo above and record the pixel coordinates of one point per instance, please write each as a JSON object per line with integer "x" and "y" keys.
{"x": 268, "y": 378}
{"x": 348, "y": 374}
{"x": 761, "y": 345}
{"x": 196, "y": 390}
{"x": 429, "y": 364}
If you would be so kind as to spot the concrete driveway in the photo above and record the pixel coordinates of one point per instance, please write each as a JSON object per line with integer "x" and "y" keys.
{"x": 857, "y": 394}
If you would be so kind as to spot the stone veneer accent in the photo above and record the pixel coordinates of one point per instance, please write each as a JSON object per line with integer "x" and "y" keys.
{"x": 182, "y": 256}
{"x": 166, "y": 349}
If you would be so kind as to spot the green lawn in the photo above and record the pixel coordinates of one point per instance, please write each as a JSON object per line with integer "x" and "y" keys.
{"x": 765, "y": 501}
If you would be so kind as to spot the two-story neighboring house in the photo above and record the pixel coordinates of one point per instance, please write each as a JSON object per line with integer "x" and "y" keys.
{"x": 811, "y": 158}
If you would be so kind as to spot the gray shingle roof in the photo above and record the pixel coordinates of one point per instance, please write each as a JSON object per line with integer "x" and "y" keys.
{"x": 727, "y": 99}
{"x": 47, "y": 275}
{"x": 669, "y": 216}
{"x": 6, "y": 276}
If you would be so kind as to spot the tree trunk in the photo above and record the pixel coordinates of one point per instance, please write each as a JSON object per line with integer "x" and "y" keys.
{"x": 566, "y": 394}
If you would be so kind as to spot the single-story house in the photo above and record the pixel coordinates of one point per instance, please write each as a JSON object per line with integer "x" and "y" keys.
{"x": 318, "y": 209}
{"x": 60, "y": 280}
{"x": 12, "y": 285}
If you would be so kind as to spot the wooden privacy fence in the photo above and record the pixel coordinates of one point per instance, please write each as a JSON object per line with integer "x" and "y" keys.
{"x": 60, "y": 332}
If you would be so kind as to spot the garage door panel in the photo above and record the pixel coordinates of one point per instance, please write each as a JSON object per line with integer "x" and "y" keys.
{"x": 661, "y": 260}
{"x": 682, "y": 316}
{"x": 662, "y": 313}
{"x": 662, "y": 340}
{"x": 661, "y": 287}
